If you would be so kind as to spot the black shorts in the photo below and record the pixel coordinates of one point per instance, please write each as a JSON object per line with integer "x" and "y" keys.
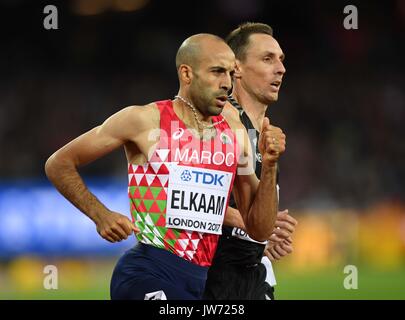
{"x": 234, "y": 282}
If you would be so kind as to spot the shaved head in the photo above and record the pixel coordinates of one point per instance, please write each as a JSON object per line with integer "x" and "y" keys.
{"x": 205, "y": 64}
{"x": 190, "y": 50}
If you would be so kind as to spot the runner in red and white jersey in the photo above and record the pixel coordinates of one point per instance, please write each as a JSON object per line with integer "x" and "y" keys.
{"x": 178, "y": 220}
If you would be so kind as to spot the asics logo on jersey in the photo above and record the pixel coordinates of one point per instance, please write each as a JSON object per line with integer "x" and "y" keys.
{"x": 178, "y": 134}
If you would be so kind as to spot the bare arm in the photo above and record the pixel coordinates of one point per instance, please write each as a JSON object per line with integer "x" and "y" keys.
{"x": 257, "y": 200}
{"x": 233, "y": 218}
{"x": 280, "y": 242}
{"x": 62, "y": 170}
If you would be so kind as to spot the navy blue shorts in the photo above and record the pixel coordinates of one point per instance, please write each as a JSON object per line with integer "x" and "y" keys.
{"x": 144, "y": 272}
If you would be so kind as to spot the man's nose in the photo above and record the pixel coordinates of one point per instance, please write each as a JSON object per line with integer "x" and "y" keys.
{"x": 280, "y": 69}
{"x": 226, "y": 83}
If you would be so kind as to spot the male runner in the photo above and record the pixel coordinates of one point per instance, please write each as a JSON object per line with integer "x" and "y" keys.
{"x": 183, "y": 157}
{"x": 237, "y": 271}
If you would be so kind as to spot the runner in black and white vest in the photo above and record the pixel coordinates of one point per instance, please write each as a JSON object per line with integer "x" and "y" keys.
{"x": 242, "y": 267}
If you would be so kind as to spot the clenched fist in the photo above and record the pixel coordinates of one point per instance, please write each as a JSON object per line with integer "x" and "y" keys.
{"x": 115, "y": 227}
{"x": 271, "y": 143}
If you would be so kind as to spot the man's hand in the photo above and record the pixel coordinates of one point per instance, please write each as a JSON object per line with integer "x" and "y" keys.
{"x": 276, "y": 250}
{"x": 271, "y": 143}
{"x": 280, "y": 243}
{"x": 115, "y": 227}
{"x": 284, "y": 227}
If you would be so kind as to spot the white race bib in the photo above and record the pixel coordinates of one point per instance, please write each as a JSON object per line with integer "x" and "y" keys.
{"x": 241, "y": 234}
{"x": 197, "y": 198}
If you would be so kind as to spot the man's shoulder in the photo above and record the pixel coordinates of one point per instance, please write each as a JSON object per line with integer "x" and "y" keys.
{"x": 143, "y": 114}
{"x": 143, "y": 109}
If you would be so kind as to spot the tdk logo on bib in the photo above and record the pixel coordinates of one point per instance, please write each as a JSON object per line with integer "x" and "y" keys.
{"x": 202, "y": 177}
{"x": 186, "y": 176}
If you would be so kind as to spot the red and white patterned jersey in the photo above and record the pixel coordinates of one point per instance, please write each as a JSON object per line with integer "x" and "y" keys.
{"x": 179, "y": 197}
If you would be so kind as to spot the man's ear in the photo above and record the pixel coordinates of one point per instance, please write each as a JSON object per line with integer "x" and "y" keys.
{"x": 238, "y": 70}
{"x": 185, "y": 73}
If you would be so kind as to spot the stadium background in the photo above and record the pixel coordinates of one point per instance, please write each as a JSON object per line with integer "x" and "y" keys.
{"x": 342, "y": 106}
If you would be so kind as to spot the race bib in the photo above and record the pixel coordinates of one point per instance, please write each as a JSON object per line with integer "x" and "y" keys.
{"x": 197, "y": 198}
{"x": 241, "y": 234}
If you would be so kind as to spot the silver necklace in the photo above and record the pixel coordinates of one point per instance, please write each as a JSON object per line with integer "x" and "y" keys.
{"x": 199, "y": 122}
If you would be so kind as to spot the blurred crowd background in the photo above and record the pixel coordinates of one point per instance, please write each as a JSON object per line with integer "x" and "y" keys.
{"x": 342, "y": 107}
